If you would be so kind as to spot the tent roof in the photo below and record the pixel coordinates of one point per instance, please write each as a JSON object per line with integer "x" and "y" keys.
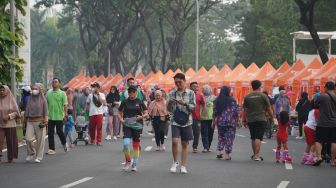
{"x": 326, "y": 70}
{"x": 298, "y": 66}
{"x": 219, "y": 77}
{"x": 210, "y": 75}
{"x": 281, "y": 70}
{"x": 266, "y": 70}
{"x": 315, "y": 65}
{"x": 305, "y": 35}
{"x": 140, "y": 76}
{"x": 201, "y": 73}
{"x": 190, "y": 72}
{"x": 156, "y": 78}
{"x": 248, "y": 74}
{"x": 235, "y": 72}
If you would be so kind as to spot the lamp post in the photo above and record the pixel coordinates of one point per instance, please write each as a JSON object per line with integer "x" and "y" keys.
{"x": 12, "y": 29}
{"x": 197, "y": 33}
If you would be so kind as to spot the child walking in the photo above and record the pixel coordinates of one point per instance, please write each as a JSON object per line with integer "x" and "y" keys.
{"x": 282, "y": 138}
{"x": 68, "y": 127}
{"x": 309, "y": 155}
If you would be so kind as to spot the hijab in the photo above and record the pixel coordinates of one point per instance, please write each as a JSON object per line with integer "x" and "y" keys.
{"x": 8, "y": 105}
{"x": 223, "y": 101}
{"x": 37, "y": 105}
{"x": 158, "y": 108}
{"x": 207, "y": 94}
{"x": 113, "y": 97}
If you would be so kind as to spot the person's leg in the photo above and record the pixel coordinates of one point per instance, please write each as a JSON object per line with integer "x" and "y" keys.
{"x": 40, "y": 142}
{"x": 12, "y": 144}
{"x": 51, "y": 132}
{"x": 196, "y": 133}
{"x": 221, "y": 141}
{"x": 300, "y": 127}
{"x": 156, "y": 125}
{"x": 99, "y": 127}
{"x": 184, "y": 152}
{"x": 230, "y": 135}
{"x": 175, "y": 142}
{"x": 136, "y": 146}
{"x": 2, "y": 139}
{"x": 92, "y": 129}
{"x": 318, "y": 148}
{"x": 116, "y": 126}
{"x": 109, "y": 125}
{"x": 162, "y": 125}
{"x": 60, "y": 133}
{"x": 210, "y": 132}
{"x": 205, "y": 135}
{"x": 30, "y": 137}
{"x": 126, "y": 144}
{"x": 333, "y": 154}
{"x": 277, "y": 152}
{"x": 257, "y": 146}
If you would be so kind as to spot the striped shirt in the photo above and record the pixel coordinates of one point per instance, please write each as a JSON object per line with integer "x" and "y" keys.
{"x": 188, "y": 96}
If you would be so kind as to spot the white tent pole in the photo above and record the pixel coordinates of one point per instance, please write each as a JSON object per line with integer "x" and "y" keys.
{"x": 329, "y": 46}
{"x": 294, "y": 50}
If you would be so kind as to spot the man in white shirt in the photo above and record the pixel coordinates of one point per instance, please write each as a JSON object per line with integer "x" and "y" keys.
{"x": 95, "y": 102}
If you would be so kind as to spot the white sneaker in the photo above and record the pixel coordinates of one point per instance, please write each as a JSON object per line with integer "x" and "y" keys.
{"x": 29, "y": 158}
{"x": 115, "y": 138}
{"x": 134, "y": 168}
{"x": 165, "y": 137}
{"x": 51, "y": 152}
{"x": 299, "y": 137}
{"x": 157, "y": 148}
{"x": 184, "y": 170}
{"x": 37, "y": 161}
{"x": 108, "y": 137}
{"x": 127, "y": 166}
{"x": 66, "y": 147}
{"x": 173, "y": 168}
{"x": 163, "y": 148}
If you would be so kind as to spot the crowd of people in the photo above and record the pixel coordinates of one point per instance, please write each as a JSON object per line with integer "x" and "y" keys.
{"x": 190, "y": 112}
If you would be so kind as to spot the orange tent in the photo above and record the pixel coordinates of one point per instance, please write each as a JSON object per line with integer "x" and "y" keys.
{"x": 217, "y": 80}
{"x": 265, "y": 71}
{"x": 190, "y": 73}
{"x": 167, "y": 78}
{"x": 148, "y": 76}
{"x": 295, "y": 81}
{"x": 297, "y": 67}
{"x": 105, "y": 83}
{"x": 140, "y": 77}
{"x": 269, "y": 81}
{"x": 156, "y": 78}
{"x": 235, "y": 72}
{"x": 211, "y": 74}
{"x": 177, "y": 71}
{"x": 198, "y": 76}
{"x": 242, "y": 82}
{"x": 75, "y": 80}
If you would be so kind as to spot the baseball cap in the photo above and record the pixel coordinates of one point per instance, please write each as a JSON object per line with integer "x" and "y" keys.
{"x": 132, "y": 88}
{"x": 96, "y": 84}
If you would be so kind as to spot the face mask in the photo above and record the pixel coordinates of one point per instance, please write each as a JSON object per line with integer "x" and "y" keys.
{"x": 35, "y": 92}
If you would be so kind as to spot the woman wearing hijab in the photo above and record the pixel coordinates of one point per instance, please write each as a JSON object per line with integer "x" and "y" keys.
{"x": 226, "y": 120}
{"x": 206, "y": 118}
{"x": 158, "y": 111}
{"x": 9, "y": 112}
{"x": 36, "y": 117}
{"x": 303, "y": 108}
{"x": 113, "y": 102}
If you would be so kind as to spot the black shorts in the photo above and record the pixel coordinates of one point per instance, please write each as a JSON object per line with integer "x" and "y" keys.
{"x": 257, "y": 129}
{"x": 132, "y": 133}
{"x": 325, "y": 134}
{"x": 185, "y": 133}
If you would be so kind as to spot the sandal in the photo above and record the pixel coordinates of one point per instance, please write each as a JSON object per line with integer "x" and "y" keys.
{"x": 318, "y": 162}
{"x": 219, "y": 156}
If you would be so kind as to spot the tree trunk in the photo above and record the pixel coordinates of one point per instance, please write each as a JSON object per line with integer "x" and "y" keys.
{"x": 164, "y": 50}
{"x": 175, "y": 45}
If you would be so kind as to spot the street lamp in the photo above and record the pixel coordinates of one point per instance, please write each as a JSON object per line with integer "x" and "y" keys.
{"x": 197, "y": 33}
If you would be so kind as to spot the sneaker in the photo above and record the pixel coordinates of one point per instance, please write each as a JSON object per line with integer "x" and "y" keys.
{"x": 115, "y": 138}
{"x": 118, "y": 136}
{"x": 127, "y": 166}
{"x": 184, "y": 170}
{"x": 195, "y": 150}
{"x": 151, "y": 133}
{"x": 108, "y": 137}
{"x": 51, "y": 152}
{"x": 153, "y": 139}
{"x": 134, "y": 168}
{"x": 157, "y": 148}
{"x": 163, "y": 148}
{"x": 299, "y": 137}
{"x": 29, "y": 158}
{"x": 173, "y": 168}
{"x": 66, "y": 147}
{"x": 37, "y": 161}
{"x": 165, "y": 137}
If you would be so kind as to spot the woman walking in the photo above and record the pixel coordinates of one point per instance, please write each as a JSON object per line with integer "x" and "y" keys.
{"x": 158, "y": 111}
{"x": 226, "y": 120}
{"x": 36, "y": 117}
{"x": 132, "y": 113}
{"x": 113, "y": 125}
{"x": 207, "y": 130}
{"x": 303, "y": 108}
{"x": 9, "y": 112}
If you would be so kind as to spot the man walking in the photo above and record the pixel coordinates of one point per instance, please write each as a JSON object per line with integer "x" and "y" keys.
{"x": 326, "y": 123}
{"x": 181, "y": 103}
{"x": 57, "y": 108}
{"x": 256, "y": 105}
{"x": 196, "y": 115}
{"x": 95, "y": 103}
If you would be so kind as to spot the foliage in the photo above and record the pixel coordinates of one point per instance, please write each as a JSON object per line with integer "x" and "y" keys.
{"x": 7, "y": 39}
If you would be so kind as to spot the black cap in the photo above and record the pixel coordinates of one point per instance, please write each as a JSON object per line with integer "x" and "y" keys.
{"x": 132, "y": 88}
{"x": 96, "y": 84}
{"x": 330, "y": 85}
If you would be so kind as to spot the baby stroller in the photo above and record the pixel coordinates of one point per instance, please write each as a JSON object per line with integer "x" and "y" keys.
{"x": 81, "y": 126}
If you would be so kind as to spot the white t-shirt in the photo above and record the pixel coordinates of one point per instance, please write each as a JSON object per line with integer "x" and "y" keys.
{"x": 311, "y": 122}
{"x": 94, "y": 110}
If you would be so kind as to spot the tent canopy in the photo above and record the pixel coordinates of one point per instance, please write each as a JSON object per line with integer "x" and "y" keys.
{"x": 305, "y": 35}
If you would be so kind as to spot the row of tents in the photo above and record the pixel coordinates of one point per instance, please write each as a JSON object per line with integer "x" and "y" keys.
{"x": 296, "y": 78}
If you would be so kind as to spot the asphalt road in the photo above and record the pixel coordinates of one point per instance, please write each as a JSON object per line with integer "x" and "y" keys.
{"x": 100, "y": 167}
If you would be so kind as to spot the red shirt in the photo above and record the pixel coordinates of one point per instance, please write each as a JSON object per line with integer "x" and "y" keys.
{"x": 196, "y": 115}
{"x": 282, "y": 134}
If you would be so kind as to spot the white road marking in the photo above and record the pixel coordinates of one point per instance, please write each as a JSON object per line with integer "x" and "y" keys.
{"x": 283, "y": 184}
{"x": 263, "y": 142}
{"x": 20, "y": 145}
{"x": 153, "y": 139}
{"x": 148, "y": 148}
{"x": 76, "y": 182}
{"x": 239, "y": 135}
{"x": 288, "y": 166}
